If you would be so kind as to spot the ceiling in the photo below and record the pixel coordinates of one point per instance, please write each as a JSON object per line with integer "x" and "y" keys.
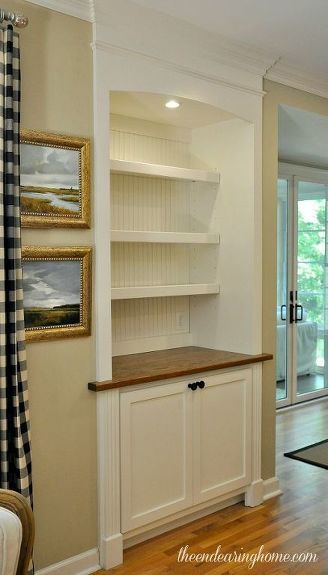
{"x": 191, "y": 114}
{"x": 295, "y": 31}
{"x": 303, "y": 137}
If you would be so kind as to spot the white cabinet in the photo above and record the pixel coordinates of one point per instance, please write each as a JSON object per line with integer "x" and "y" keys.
{"x": 181, "y": 447}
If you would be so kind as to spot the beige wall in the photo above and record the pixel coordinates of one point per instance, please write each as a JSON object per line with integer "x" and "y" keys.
{"x": 275, "y": 94}
{"x": 57, "y": 96}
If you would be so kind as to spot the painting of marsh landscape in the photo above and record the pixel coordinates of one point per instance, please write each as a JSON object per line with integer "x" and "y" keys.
{"x": 54, "y": 298}
{"x": 50, "y": 182}
{"x": 54, "y": 181}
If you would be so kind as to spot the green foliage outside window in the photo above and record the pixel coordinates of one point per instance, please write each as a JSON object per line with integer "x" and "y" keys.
{"x": 311, "y": 259}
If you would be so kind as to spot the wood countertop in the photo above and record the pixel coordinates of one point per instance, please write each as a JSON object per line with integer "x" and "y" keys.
{"x": 170, "y": 363}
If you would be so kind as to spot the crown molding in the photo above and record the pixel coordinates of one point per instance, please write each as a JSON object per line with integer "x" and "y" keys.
{"x": 168, "y": 65}
{"x": 82, "y": 9}
{"x": 296, "y": 78}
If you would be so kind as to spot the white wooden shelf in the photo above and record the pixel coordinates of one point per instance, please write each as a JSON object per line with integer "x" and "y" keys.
{"x": 164, "y": 237}
{"x": 162, "y": 171}
{"x": 136, "y": 292}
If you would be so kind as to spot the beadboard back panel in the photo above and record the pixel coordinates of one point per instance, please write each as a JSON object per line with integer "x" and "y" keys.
{"x": 143, "y": 148}
{"x": 149, "y": 264}
{"x": 140, "y": 203}
{"x": 150, "y": 317}
{"x": 163, "y": 205}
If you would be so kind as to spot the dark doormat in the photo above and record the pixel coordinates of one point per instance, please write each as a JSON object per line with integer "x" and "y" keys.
{"x": 315, "y": 454}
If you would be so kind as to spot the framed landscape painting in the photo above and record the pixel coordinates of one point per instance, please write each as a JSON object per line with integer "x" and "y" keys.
{"x": 57, "y": 292}
{"x": 54, "y": 180}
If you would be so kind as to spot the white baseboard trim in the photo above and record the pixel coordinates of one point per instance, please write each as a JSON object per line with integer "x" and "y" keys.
{"x": 82, "y": 564}
{"x": 139, "y": 535}
{"x": 254, "y": 494}
{"x": 271, "y": 488}
{"x": 111, "y": 551}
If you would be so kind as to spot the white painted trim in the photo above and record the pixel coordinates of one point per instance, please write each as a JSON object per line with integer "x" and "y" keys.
{"x": 271, "y": 488}
{"x": 111, "y": 551}
{"x": 307, "y": 172}
{"x": 102, "y": 225}
{"x": 218, "y": 79}
{"x": 268, "y": 488}
{"x": 257, "y": 421}
{"x": 258, "y": 241}
{"x": 82, "y": 564}
{"x": 187, "y": 516}
{"x": 254, "y": 493}
{"x": 82, "y": 9}
{"x": 284, "y": 408}
{"x": 108, "y": 429}
{"x": 296, "y": 78}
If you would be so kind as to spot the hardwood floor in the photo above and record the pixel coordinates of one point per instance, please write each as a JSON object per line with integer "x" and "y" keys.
{"x": 295, "y": 522}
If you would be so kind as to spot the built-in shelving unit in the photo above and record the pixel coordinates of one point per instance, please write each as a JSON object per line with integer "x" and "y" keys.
{"x": 164, "y": 291}
{"x": 162, "y": 171}
{"x": 163, "y": 237}
{"x": 176, "y": 175}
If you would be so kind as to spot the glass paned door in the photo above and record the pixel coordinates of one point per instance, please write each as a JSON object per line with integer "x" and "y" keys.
{"x": 311, "y": 278}
{"x": 302, "y": 290}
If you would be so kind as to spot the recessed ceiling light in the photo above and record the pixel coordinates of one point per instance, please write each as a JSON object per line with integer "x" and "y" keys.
{"x": 172, "y": 104}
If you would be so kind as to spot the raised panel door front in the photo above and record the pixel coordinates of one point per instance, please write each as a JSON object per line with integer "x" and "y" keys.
{"x": 156, "y": 443}
{"x": 222, "y": 435}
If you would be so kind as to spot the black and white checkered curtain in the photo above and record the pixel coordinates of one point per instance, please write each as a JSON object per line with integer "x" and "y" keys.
{"x": 15, "y": 455}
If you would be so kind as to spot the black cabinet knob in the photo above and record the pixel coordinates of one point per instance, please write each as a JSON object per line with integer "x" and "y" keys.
{"x": 193, "y": 386}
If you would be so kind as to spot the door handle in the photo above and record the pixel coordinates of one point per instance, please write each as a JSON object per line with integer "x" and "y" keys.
{"x": 201, "y": 384}
{"x": 283, "y": 312}
{"x": 291, "y": 307}
{"x": 193, "y": 386}
{"x": 299, "y": 307}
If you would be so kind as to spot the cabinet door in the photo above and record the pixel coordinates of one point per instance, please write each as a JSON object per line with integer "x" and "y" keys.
{"x": 222, "y": 434}
{"x": 156, "y": 445}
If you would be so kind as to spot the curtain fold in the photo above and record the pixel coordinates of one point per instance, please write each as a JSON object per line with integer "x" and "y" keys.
{"x": 15, "y": 454}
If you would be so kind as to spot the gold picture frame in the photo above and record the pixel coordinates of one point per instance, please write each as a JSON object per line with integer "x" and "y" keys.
{"x": 55, "y": 180}
{"x": 57, "y": 292}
